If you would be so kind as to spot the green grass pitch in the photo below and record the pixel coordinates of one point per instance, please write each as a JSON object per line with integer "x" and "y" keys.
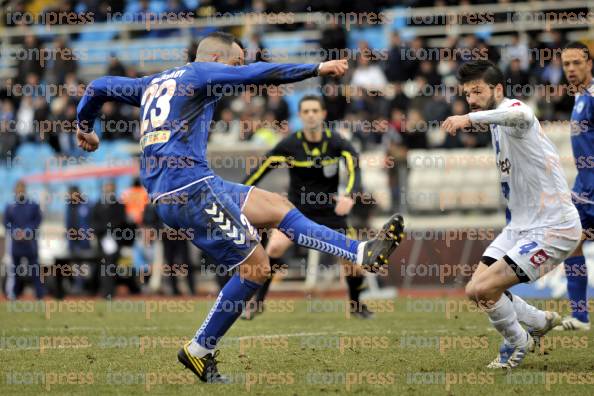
{"x": 297, "y": 347}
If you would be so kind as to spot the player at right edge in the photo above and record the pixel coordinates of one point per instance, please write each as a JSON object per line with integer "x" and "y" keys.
{"x": 543, "y": 226}
{"x": 577, "y": 66}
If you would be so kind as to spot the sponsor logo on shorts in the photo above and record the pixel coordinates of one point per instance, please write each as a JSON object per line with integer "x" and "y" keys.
{"x": 539, "y": 258}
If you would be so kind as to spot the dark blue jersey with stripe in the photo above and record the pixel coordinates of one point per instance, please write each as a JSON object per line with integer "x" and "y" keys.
{"x": 582, "y": 143}
{"x": 176, "y": 108}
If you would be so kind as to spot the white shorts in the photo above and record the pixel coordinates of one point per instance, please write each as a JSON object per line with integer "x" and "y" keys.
{"x": 537, "y": 251}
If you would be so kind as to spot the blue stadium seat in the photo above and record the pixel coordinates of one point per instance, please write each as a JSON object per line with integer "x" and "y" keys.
{"x": 375, "y": 37}
{"x": 148, "y": 51}
{"x": 398, "y": 22}
{"x": 34, "y": 156}
{"x": 89, "y": 35}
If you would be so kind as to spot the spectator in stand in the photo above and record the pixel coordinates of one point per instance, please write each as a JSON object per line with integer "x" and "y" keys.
{"x": 516, "y": 80}
{"x": 336, "y": 102}
{"x": 447, "y": 72}
{"x": 78, "y": 218}
{"x": 492, "y": 53}
{"x": 396, "y": 62}
{"x": 108, "y": 219}
{"x": 277, "y": 104}
{"x": 367, "y": 75}
{"x": 24, "y": 117}
{"x": 395, "y": 161}
{"x": 78, "y": 237}
{"x": 428, "y": 72}
{"x": 400, "y": 100}
{"x": 268, "y": 132}
{"x": 116, "y": 67}
{"x": 481, "y": 138}
{"x": 135, "y": 200}
{"x": 8, "y": 138}
{"x": 144, "y": 246}
{"x": 116, "y": 125}
{"x": 553, "y": 72}
{"x": 518, "y": 49}
{"x": 415, "y": 130}
{"x": 41, "y": 113}
{"x": 226, "y": 129}
{"x": 30, "y": 59}
{"x": 177, "y": 255}
{"x": 333, "y": 40}
{"x": 255, "y": 50}
{"x": 413, "y": 56}
{"x": 141, "y": 11}
{"x": 63, "y": 62}
{"x": 436, "y": 110}
{"x": 62, "y": 115}
{"x": 21, "y": 221}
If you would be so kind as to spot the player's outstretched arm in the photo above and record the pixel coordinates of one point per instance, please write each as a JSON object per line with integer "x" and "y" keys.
{"x": 104, "y": 89}
{"x": 272, "y": 73}
{"x": 516, "y": 115}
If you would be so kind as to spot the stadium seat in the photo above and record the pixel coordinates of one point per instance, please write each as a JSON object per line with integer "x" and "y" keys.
{"x": 374, "y": 36}
{"x": 447, "y": 180}
{"x": 34, "y": 156}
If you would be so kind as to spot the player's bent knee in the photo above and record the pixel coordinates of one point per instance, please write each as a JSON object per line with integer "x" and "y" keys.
{"x": 475, "y": 290}
{"x": 282, "y": 203}
{"x": 470, "y": 291}
{"x": 275, "y": 250}
{"x": 279, "y": 206}
{"x": 481, "y": 291}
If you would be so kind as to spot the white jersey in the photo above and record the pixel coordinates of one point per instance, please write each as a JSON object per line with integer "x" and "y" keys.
{"x": 532, "y": 181}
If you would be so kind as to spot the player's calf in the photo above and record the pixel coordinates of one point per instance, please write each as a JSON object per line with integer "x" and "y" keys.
{"x": 483, "y": 292}
{"x": 266, "y": 209}
{"x": 199, "y": 355}
{"x": 487, "y": 289}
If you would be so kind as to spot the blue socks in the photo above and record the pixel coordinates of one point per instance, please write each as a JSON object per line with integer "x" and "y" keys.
{"x": 231, "y": 301}
{"x": 577, "y": 287}
{"x": 309, "y": 234}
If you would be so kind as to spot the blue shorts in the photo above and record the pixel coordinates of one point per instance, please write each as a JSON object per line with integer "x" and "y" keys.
{"x": 209, "y": 212}
{"x": 584, "y": 203}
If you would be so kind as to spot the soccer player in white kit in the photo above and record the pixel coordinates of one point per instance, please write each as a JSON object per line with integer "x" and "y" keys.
{"x": 543, "y": 226}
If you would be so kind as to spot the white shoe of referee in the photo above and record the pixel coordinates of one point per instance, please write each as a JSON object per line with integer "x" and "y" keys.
{"x": 570, "y": 323}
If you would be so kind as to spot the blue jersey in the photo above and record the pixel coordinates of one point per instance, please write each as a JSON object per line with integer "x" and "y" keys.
{"x": 582, "y": 142}
{"x": 176, "y": 108}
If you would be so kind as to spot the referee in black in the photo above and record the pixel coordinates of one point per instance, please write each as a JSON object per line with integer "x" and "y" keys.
{"x": 313, "y": 155}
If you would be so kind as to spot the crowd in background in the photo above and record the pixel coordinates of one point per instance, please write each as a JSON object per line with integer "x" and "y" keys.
{"x": 109, "y": 242}
{"x": 406, "y": 88}
{"x": 391, "y": 100}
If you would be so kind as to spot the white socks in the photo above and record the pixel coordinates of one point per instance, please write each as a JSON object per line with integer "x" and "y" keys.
{"x": 197, "y": 350}
{"x": 503, "y": 317}
{"x": 360, "y": 249}
{"x": 528, "y": 314}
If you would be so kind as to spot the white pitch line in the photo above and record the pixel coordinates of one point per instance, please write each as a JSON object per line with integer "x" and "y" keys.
{"x": 87, "y": 328}
{"x": 225, "y": 340}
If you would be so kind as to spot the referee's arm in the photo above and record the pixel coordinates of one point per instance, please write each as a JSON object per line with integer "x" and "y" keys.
{"x": 351, "y": 158}
{"x": 271, "y": 160}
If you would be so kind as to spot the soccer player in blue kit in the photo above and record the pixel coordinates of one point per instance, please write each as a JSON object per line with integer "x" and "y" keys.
{"x": 577, "y": 65}
{"x": 177, "y": 106}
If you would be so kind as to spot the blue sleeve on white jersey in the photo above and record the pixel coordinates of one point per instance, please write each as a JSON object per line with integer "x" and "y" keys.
{"x": 104, "y": 89}
{"x": 255, "y": 73}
